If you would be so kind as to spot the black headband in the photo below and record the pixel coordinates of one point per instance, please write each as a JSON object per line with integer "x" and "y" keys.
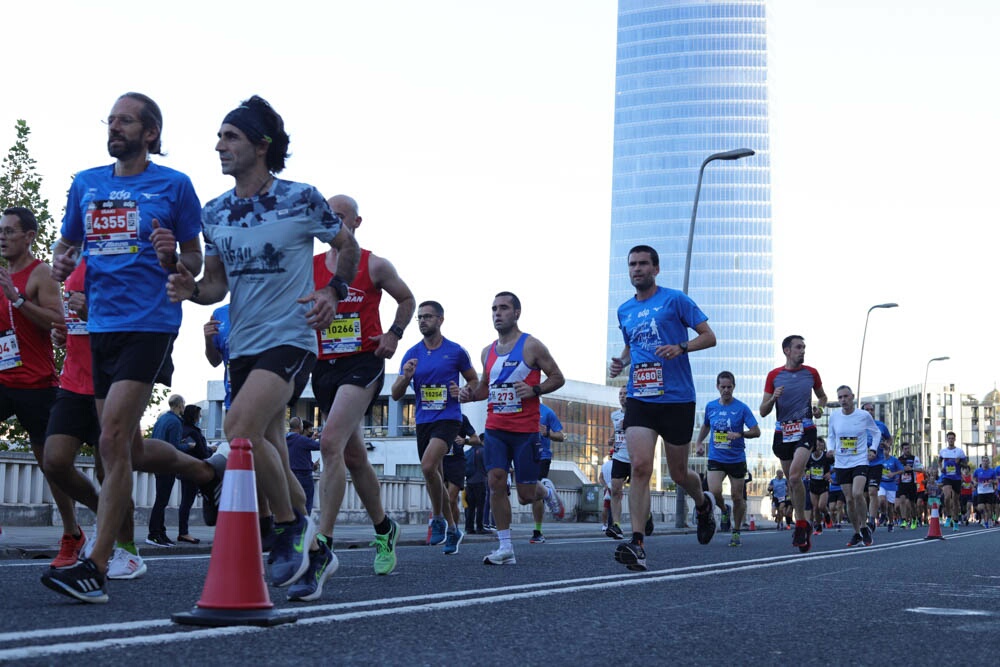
{"x": 250, "y": 122}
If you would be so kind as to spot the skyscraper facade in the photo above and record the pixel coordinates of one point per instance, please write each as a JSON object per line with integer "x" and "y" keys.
{"x": 691, "y": 80}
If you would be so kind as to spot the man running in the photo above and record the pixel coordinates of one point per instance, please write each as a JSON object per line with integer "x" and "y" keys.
{"x": 854, "y": 437}
{"x": 951, "y": 459}
{"x": 549, "y": 429}
{"x": 986, "y": 486}
{"x": 620, "y": 469}
{"x": 781, "y": 507}
{"x": 789, "y": 388}
{"x": 906, "y": 492}
{"x": 512, "y": 381}
{"x": 730, "y": 422}
{"x": 875, "y": 467}
{"x": 129, "y": 218}
{"x": 433, "y": 366}
{"x": 259, "y": 241}
{"x": 661, "y": 399}
{"x": 818, "y": 474}
{"x": 892, "y": 469}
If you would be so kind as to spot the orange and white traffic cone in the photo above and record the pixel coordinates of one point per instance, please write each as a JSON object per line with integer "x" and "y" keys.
{"x": 235, "y": 592}
{"x": 934, "y": 527}
{"x": 753, "y": 523}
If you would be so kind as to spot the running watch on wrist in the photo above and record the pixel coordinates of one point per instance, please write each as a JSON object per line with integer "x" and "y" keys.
{"x": 20, "y": 300}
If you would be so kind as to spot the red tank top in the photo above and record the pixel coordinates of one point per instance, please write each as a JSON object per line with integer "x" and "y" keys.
{"x": 505, "y": 411}
{"x": 26, "y": 356}
{"x": 357, "y": 319}
{"x": 77, "y": 375}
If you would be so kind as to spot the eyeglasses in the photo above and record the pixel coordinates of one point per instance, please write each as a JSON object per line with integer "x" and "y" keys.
{"x": 6, "y": 232}
{"x": 426, "y": 317}
{"x": 124, "y": 121}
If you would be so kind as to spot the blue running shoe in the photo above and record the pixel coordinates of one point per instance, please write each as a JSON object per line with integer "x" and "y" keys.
{"x": 438, "y": 531}
{"x": 290, "y": 554}
{"x": 454, "y": 539}
{"x": 322, "y": 564}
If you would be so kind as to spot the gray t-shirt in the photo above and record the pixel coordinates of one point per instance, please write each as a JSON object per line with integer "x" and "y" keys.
{"x": 266, "y": 245}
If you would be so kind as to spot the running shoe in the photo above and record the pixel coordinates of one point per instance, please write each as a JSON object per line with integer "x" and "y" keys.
{"x": 322, "y": 564}
{"x": 648, "y": 530}
{"x": 439, "y": 530}
{"x": 632, "y": 556}
{"x": 954, "y": 527}
{"x": 725, "y": 524}
{"x": 946, "y": 522}
{"x": 88, "y": 546}
{"x": 69, "y": 550}
{"x": 866, "y": 536}
{"x": 159, "y": 540}
{"x": 125, "y": 565}
{"x": 553, "y": 501}
{"x": 501, "y": 556}
{"x": 706, "y": 521}
{"x": 385, "y": 549}
{"x": 83, "y": 582}
{"x": 614, "y": 531}
{"x": 871, "y": 524}
{"x": 604, "y": 527}
{"x": 801, "y": 536}
{"x": 855, "y": 541}
{"x": 890, "y": 526}
{"x": 537, "y": 537}
{"x": 818, "y": 529}
{"x": 211, "y": 493}
{"x": 736, "y": 540}
{"x": 290, "y": 554}
{"x": 454, "y": 538}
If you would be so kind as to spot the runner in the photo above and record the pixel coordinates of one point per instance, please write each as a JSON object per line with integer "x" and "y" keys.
{"x": 892, "y": 470}
{"x": 661, "y": 397}
{"x": 621, "y": 469}
{"x": 790, "y": 388}
{"x": 433, "y": 366}
{"x": 818, "y": 471}
{"x": 875, "y": 468}
{"x": 512, "y": 380}
{"x": 549, "y": 429}
{"x": 347, "y": 380}
{"x": 906, "y": 493}
{"x": 986, "y": 487}
{"x": 854, "y": 437}
{"x": 259, "y": 240}
{"x": 781, "y": 507}
{"x": 730, "y": 422}
{"x": 129, "y": 218}
{"x": 951, "y": 459}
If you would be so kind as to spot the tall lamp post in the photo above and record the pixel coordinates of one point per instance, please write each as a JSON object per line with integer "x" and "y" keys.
{"x": 865, "y": 335}
{"x": 680, "y": 508}
{"x": 924, "y": 448}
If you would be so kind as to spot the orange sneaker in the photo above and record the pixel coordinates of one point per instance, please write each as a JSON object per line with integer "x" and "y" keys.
{"x": 69, "y": 550}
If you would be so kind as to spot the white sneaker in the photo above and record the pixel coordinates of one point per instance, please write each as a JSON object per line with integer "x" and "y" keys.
{"x": 88, "y": 545}
{"x": 125, "y": 565}
{"x": 553, "y": 501}
{"x": 500, "y": 557}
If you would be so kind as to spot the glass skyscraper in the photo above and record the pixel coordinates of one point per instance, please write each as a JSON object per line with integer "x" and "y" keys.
{"x": 691, "y": 80}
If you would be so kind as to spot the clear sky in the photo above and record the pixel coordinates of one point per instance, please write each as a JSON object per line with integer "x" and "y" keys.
{"x": 477, "y": 138}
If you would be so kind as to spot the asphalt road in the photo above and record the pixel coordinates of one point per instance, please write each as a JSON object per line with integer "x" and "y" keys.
{"x": 565, "y": 602}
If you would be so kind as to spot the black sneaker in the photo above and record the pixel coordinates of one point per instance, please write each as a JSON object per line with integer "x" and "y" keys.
{"x": 706, "y": 520}
{"x": 648, "y": 530}
{"x": 614, "y": 531}
{"x": 212, "y": 492}
{"x": 866, "y": 536}
{"x": 726, "y": 524}
{"x": 855, "y": 541}
{"x": 82, "y": 582}
{"x": 159, "y": 540}
{"x": 632, "y": 556}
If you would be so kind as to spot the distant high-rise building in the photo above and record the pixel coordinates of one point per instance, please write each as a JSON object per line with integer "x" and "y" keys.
{"x": 691, "y": 81}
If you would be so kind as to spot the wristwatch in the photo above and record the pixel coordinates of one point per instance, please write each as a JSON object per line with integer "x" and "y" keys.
{"x": 684, "y": 346}
{"x": 339, "y": 286}
{"x": 537, "y": 389}
{"x": 397, "y": 331}
{"x": 20, "y": 300}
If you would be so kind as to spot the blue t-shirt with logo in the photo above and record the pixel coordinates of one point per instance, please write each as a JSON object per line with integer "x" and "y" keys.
{"x": 724, "y": 418}
{"x": 436, "y": 370}
{"x": 779, "y": 488}
{"x": 112, "y": 216}
{"x": 889, "y": 465}
{"x": 549, "y": 420}
{"x": 221, "y": 343}
{"x": 662, "y": 319}
{"x": 879, "y": 452}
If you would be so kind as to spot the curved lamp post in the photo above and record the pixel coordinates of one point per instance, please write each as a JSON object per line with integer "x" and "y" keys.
{"x": 865, "y": 335}
{"x": 924, "y": 449}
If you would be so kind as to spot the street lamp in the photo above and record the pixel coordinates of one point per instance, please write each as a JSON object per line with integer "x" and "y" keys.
{"x": 923, "y": 407}
{"x": 680, "y": 508}
{"x": 865, "y": 335}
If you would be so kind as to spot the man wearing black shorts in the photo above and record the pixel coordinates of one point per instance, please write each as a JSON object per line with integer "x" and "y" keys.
{"x": 790, "y": 388}
{"x": 661, "y": 398}
{"x": 854, "y": 438}
{"x": 347, "y": 380}
{"x": 906, "y": 494}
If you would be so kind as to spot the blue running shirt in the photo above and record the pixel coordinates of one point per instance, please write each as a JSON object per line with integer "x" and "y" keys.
{"x": 724, "y": 418}
{"x": 436, "y": 369}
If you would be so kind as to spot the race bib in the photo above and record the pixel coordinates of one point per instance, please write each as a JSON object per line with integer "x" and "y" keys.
{"x": 433, "y": 396}
{"x": 647, "y": 379}
{"x": 74, "y": 325}
{"x": 816, "y": 473}
{"x": 721, "y": 439}
{"x": 503, "y": 399}
{"x": 791, "y": 431}
{"x": 10, "y": 353}
{"x": 848, "y": 445}
{"x": 343, "y": 335}
{"x": 112, "y": 227}
{"x": 906, "y": 478}
{"x": 619, "y": 438}
{"x": 950, "y": 468}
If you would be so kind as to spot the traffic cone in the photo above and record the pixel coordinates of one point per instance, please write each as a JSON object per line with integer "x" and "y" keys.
{"x": 235, "y": 592}
{"x": 934, "y": 527}
{"x": 753, "y": 523}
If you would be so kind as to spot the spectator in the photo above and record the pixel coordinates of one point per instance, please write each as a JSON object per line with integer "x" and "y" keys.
{"x": 300, "y": 449}
{"x": 168, "y": 428}
{"x": 475, "y": 487}
{"x": 192, "y": 443}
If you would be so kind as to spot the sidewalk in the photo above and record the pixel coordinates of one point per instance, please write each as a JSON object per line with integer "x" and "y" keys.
{"x": 42, "y": 542}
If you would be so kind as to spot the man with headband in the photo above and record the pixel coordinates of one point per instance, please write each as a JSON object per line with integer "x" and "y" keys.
{"x": 128, "y": 218}
{"x": 259, "y": 243}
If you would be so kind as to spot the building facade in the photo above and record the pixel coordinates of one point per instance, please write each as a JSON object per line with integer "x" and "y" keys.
{"x": 691, "y": 80}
